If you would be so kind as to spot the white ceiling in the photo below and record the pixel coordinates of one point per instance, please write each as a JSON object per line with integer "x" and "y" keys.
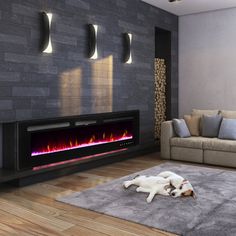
{"x": 186, "y": 7}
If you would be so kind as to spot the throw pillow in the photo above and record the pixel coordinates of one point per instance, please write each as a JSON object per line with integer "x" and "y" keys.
{"x": 193, "y": 123}
{"x": 204, "y": 112}
{"x": 181, "y": 128}
{"x": 211, "y": 125}
{"x": 228, "y": 129}
{"x": 228, "y": 114}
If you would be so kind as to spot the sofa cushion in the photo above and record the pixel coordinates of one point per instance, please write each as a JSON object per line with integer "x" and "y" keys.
{"x": 193, "y": 123}
{"x": 187, "y": 154}
{"x": 220, "y": 145}
{"x": 228, "y": 129}
{"x": 191, "y": 142}
{"x": 228, "y": 114}
{"x": 205, "y": 112}
{"x": 211, "y": 125}
{"x": 181, "y": 128}
{"x": 220, "y": 158}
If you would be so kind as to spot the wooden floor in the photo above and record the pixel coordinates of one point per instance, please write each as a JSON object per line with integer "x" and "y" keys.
{"x": 32, "y": 210}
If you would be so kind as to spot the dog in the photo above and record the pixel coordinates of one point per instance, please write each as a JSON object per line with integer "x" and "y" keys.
{"x": 182, "y": 186}
{"x": 150, "y": 184}
{"x": 166, "y": 183}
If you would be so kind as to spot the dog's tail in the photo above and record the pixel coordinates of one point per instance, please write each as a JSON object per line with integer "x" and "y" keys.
{"x": 136, "y": 176}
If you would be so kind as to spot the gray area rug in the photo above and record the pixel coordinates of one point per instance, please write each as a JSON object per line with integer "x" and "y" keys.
{"x": 212, "y": 213}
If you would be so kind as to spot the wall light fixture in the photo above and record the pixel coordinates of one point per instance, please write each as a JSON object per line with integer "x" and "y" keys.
{"x": 46, "y": 44}
{"x": 127, "y": 40}
{"x": 92, "y": 41}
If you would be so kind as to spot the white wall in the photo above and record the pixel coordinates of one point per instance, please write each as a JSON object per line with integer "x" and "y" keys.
{"x": 207, "y": 61}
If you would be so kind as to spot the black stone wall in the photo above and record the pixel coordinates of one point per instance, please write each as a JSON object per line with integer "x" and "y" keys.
{"x": 37, "y": 85}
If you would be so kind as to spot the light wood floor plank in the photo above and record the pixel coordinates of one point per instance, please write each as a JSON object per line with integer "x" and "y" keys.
{"x": 82, "y": 231}
{"x": 13, "y": 225}
{"x": 48, "y": 190}
{"x": 40, "y": 219}
{"x": 32, "y": 205}
{"x": 111, "y": 230}
{"x": 131, "y": 226}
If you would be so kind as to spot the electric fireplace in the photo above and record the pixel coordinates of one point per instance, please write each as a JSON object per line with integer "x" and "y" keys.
{"x": 43, "y": 143}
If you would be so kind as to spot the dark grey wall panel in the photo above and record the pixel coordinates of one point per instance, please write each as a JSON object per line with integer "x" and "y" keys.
{"x": 36, "y": 85}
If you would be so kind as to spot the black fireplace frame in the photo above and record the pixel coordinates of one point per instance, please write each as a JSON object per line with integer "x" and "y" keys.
{"x": 16, "y": 134}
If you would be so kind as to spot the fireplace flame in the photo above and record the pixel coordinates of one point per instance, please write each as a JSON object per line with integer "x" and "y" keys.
{"x": 111, "y": 137}
{"x": 125, "y": 133}
{"x": 74, "y": 144}
{"x": 92, "y": 139}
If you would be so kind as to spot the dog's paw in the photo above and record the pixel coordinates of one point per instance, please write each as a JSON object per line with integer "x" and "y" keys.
{"x": 148, "y": 200}
{"x": 138, "y": 189}
{"x": 166, "y": 193}
{"x": 169, "y": 190}
{"x": 126, "y": 184}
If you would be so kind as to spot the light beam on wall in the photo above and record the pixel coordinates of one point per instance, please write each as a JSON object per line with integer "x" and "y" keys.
{"x": 46, "y": 32}
{"x": 127, "y": 48}
{"x": 101, "y": 84}
{"x": 92, "y": 41}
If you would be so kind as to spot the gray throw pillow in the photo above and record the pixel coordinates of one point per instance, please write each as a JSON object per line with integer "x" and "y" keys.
{"x": 181, "y": 129}
{"x": 211, "y": 125}
{"x": 228, "y": 129}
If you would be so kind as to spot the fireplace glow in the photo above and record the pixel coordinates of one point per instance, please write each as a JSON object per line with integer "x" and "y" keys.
{"x": 75, "y": 144}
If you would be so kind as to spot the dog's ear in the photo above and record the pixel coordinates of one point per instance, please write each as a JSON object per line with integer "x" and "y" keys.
{"x": 193, "y": 194}
{"x": 188, "y": 193}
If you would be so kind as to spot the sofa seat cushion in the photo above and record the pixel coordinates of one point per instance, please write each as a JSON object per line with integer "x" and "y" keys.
{"x": 220, "y": 145}
{"x": 191, "y": 142}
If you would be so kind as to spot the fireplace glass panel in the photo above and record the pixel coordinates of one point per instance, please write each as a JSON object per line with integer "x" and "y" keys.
{"x": 55, "y": 141}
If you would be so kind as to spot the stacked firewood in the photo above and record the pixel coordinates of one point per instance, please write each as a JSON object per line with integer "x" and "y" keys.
{"x": 160, "y": 95}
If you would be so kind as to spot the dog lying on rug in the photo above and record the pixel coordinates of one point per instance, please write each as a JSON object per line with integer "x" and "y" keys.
{"x": 166, "y": 183}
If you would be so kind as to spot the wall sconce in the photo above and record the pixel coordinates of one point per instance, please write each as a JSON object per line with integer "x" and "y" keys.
{"x": 92, "y": 41}
{"x": 127, "y": 40}
{"x": 46, "y": 44}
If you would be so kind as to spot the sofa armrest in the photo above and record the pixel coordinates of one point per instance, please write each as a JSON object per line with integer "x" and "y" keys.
{"x": 167, "y": 132}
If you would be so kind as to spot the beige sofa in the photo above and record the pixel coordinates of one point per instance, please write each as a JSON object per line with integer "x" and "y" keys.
{"x": 212, "y": 151}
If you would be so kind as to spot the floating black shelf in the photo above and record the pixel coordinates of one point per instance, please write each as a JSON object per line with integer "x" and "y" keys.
{"x": 9, "y": 175}
{"x": 23, "y": 176}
